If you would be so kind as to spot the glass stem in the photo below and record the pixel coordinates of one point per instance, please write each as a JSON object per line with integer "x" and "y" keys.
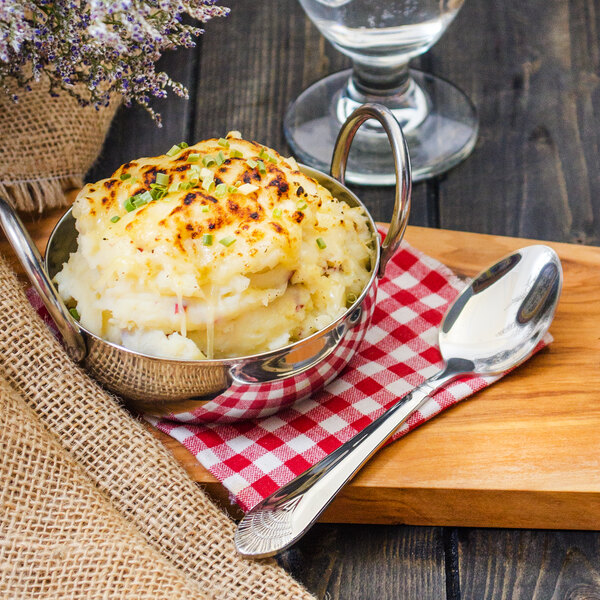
{"x": 368, "y": 81}
{"x": 391, "y": 86}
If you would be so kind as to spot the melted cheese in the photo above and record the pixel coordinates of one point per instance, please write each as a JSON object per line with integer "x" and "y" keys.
{"x": 151, "y": 281}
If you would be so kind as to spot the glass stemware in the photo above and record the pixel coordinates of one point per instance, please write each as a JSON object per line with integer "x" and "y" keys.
{"x": 381, "y": 37}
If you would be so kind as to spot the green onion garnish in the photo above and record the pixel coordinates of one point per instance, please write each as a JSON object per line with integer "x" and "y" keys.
{"x": 350, "y": 299}
{"x": 158, "y": 193}
{"x": 183, "y": 145}
{"x": 263, "y": 153}
{"x": 185, "y": 185}
{"x": 232, "y": 189}
{"x": 235, "y": 154}
{"x": 261, "y": 167}
{"x": 162, "y": 179}
{"x": 207, "y": 239}
{"x": 128, "y": 205}
{"x": 125, "y": 176}
{"x": 301, "y": 205}
{"x": 272, "y": 159}
{"x": 115, "y": 219}
{"x": 321, "y": 243}
{"x": 205, "y": 209}
{"x": 174, "y": 151}
{"x": 227, "y": 241}
{"x": 208, "y": 160}
{"x": 220, "y": 190}
{"x": 193, "y": 158}
{"x": 277, "y": 213}
{"x": 223, "y": 142}
{"x": 220, "y": 158}
{"x": 74, "y": 313}
{"x": 207, "y": 182}
{"x": 144, "y": 197}
{"x": 251, "y": 163}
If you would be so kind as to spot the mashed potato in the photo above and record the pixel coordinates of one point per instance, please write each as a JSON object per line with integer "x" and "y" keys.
{"x": 216, "y": 250}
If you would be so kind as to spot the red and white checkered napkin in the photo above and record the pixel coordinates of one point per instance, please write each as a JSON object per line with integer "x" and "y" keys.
{"x": 254, "y": 458}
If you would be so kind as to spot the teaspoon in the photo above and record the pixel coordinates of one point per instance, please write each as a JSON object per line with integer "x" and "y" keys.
{"x": 491, "y": 327}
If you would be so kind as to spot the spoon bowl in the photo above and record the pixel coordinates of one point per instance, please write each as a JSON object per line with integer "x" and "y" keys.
{"x": 498, "y": 320}
{"x": 492, "y": 326}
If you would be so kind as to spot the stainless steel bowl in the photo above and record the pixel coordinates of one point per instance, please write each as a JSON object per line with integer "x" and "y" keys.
{"x": 234, "y": 388}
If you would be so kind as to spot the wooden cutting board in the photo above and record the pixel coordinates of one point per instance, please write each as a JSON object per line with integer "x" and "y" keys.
{"x": 524, "y": 452}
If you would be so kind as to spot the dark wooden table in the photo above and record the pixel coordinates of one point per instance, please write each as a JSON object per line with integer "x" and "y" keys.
{"x": 532, "y": 69}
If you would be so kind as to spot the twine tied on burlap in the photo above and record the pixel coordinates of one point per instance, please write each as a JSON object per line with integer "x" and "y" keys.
{"x": 47, "y": 144}
{"x": 129, "y": 468}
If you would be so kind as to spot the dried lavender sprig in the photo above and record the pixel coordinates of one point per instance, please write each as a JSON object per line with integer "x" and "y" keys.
{"x": 97, "y": 48}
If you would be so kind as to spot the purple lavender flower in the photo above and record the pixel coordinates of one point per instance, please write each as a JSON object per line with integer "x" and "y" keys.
{"x": 95, "y": 48}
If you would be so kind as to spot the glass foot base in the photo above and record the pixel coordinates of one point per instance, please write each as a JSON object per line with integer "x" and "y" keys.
{"x": 445, "y": 137}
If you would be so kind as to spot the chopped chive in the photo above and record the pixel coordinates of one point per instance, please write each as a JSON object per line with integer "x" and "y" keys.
{"x": 183, "y": 145}
{"x": 263, "y": 153}
{"x": 145, "y": 197}
{"x": 261, "y": 167}
{"x": 162, "y": 179}
{"x": 115, "y": 219}
{"x": 301, "y": 205}
{"x": 125, "y": 176}
{"x": 205, "y": 209}
{"x": 128, "y": 205}
{"x": 158, "y": 193}
{"x": 74, "y": 313}
{"x": 321, "y": 243}
{"x": 193, "y": 158}
{"x": 174, "y": 151}
{"x": 235, "y": 154}
{"x": 206, "y": 182}
{"x": 196, "y": 168}
{"x": 220, "y": 190}
{"x": 208, "y": 160}
{"x": 207, "y": 239}
{"x": 223, "y": 142}
{"x": 227, "y": 241}
{"x": 251, "y": 163}
{"x": 272, "y": 159}
{"x": 185, "y": 185}
{"x": 194, "y": 181}
{"x": 277, "y": 213}
{"x": 232, "y": 189}
{"x": 220, "y": 158}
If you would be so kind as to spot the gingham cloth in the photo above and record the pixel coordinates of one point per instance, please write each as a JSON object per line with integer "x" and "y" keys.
{"x": 253, "y": 458}
{"x": 256, "y": 457}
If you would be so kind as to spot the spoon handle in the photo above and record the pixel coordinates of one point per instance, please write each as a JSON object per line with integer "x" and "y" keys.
{"x": 282, "y": 518}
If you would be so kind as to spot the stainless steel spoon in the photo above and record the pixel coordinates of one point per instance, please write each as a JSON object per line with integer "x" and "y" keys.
{"x": 493, "y": 326}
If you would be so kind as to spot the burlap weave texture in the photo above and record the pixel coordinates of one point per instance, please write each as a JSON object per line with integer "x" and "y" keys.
{"x": 126, "y": 462}
{"x": 59, "y": 537}
{"x": 47, "y": 145}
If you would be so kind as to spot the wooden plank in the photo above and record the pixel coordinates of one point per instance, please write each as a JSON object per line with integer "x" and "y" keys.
{"x": 534, "y": 170}
{"x": 365, "y": 562}
{"x": 533, "y": 565}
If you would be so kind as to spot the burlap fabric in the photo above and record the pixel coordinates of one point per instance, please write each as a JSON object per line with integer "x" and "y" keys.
{"x": 126, "y": 462}
{"x": 47, "y": 145}
{"x": 59, "y": 536}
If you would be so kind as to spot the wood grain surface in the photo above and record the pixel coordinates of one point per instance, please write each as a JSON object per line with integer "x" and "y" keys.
{"x": 532, "y": 69}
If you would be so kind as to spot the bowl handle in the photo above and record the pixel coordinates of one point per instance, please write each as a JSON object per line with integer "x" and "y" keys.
{"x": 30, "y": 258}
{"x": 401, "y": 164}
